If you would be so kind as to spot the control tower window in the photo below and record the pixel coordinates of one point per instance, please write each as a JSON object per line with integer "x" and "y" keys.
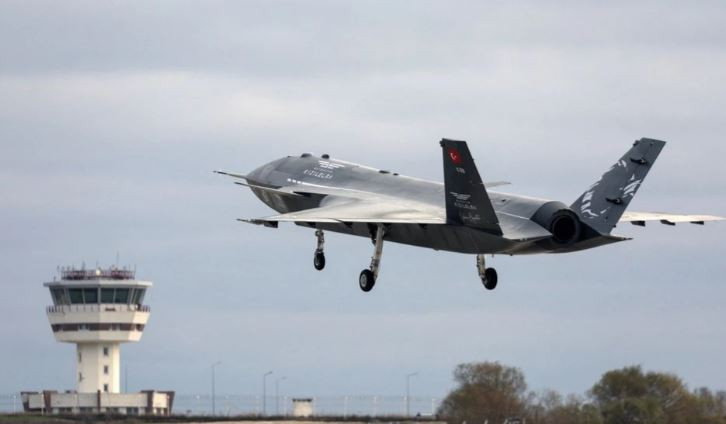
{"x": 59, "y": 296}
{"x": 138, "y": 297}
{"x": 122, "y": 296}
{"x": 76, "y": 295}
{"x": 106, "y": 295}
{"x": 90, "y": 295}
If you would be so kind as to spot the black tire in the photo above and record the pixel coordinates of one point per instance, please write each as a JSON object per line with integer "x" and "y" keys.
{"x": 366, "y": 280}
{"x": 319, "y": 261}
{"x": 490, "y": 278}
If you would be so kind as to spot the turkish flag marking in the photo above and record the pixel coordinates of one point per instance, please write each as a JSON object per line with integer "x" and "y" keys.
{"x": 454, "y": 155}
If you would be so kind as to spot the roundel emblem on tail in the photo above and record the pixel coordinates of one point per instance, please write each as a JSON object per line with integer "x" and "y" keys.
{"x": 454, "y": 155}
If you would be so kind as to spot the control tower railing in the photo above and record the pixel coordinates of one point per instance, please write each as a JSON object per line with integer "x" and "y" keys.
{"x": 97, "y": 274}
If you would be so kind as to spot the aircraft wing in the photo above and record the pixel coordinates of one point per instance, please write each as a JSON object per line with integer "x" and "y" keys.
{"x": 639, "y": 218}
{"x": 381, "y": 211}
{"x": 365, "y": 210}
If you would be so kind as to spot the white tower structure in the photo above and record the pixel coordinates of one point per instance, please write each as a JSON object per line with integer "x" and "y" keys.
{"x": 98, "y": 309}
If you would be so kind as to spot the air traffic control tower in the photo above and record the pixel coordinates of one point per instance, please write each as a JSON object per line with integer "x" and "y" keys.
{"x": 97, "y": 310}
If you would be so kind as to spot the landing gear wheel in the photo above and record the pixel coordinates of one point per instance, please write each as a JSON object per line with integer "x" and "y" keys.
{"x": 368, "y": 276}
{"x": 366, "y": 280}
{"x": 488, "y": 275}
{"x": 319, "y": 261}
{"x": 490, "y": 279}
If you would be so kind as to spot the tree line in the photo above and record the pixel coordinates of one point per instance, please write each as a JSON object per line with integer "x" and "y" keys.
{"x": 493, "y": 393}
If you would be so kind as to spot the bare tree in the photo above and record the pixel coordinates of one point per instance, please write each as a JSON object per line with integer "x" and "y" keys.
{"x": 549, "y": 407}
{"x": 712, "y": 406}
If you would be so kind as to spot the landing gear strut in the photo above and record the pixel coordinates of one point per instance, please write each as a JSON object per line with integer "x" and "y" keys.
{"x": 319, "y": 260}
{"x": 368, "y": 276}
{"x": 488, "y": 275}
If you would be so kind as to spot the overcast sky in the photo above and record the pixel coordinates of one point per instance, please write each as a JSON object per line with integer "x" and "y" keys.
{"x": 113, "y": 114}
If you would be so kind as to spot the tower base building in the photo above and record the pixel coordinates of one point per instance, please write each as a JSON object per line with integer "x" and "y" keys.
{"x": 141, "y": 403}
{"x": 97, "y": 310}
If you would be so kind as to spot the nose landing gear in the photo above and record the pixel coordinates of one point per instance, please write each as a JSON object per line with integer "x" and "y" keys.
{"x": 488, "y": 275}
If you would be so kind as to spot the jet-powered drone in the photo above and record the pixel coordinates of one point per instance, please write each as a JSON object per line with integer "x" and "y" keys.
{"x": 460, "y": 215}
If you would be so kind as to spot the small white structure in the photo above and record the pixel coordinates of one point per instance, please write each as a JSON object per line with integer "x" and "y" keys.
{"x": 302, "y": 407}
{"x": 97, "y": 310}
{"x": 143, "y": 403}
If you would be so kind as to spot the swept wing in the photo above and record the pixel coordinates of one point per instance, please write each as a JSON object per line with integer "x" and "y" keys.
{"x": 366, "y": 210}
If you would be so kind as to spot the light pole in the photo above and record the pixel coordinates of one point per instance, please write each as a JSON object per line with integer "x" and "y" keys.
{"x": 214, "y": 388}
{"x": 277, "y": 394}
{"x": 264, "y": 392}
{"x": 408, "y": 391}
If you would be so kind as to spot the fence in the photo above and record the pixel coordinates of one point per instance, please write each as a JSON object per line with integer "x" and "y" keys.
{"x": 370, "y": 405}
{"x": 10, "y": 402}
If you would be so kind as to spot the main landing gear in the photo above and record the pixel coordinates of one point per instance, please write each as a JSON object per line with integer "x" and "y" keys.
{"x": 368, "y": 276}
{"x": 319, "y": 260}
{"x": 488, "y": 275}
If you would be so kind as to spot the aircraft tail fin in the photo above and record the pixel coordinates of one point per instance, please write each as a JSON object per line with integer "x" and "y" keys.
{"x": 602, "y": 205}
{"x": 467, "y": 202}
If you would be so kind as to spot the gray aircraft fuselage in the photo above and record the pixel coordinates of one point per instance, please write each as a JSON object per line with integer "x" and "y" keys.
{"x": 454, "y": 237}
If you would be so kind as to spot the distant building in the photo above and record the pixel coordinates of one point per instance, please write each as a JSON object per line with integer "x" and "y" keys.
{"x": 98, "y": 310}
{"x": 302, "y": 407}
{"x": 142, "y": 403}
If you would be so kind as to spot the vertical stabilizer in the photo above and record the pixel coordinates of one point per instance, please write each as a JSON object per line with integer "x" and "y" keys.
{"x": 602, "y": 205}
{"x": 467, "y": 202}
